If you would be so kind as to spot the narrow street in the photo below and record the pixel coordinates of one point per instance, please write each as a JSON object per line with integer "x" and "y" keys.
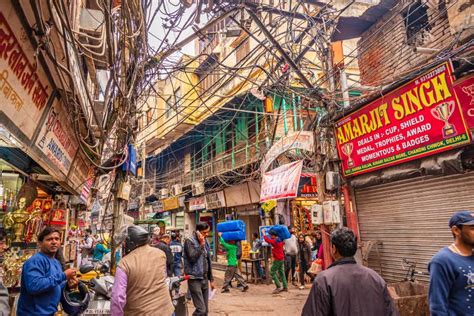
{"x": 328, "y": 139}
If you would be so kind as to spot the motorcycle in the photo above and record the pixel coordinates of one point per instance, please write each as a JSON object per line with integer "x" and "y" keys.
{"x": 100, "y": 286}
{"x": 178, "y": 299}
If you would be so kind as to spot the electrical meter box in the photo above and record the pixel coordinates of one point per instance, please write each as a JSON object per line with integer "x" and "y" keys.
{"x": 317, "y": 217}
{"x": 332, "y": 212}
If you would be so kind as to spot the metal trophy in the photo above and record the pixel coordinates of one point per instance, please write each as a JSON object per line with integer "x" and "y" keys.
{"x": 347, "y": 150}
{"x": 18, "y": 220}
{"x": 443, "y": 112}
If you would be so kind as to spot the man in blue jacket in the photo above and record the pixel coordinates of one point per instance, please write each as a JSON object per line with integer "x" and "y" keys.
{"x": 452, "y": 270}
{"x": 177, "y": 251}
{"x": 197, "y": 262}
{"x": 42, "y": 278}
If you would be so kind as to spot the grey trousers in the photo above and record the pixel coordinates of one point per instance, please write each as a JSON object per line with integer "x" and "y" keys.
{"x": 230, "y": 273}
{"x": 200, "y": 294}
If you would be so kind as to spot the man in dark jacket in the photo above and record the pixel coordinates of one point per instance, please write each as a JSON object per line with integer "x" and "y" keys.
{"x": 197, "y": 263}
{"x": 163, "y": 245}
{"x": 347, "y": 288}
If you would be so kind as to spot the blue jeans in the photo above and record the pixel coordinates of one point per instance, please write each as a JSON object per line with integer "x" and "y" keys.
{"x": 260, "y": 271}
{"x": 177, "y": 270}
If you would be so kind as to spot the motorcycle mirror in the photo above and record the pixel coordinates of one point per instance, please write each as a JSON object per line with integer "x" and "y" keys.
{"x": 86, "y": 268}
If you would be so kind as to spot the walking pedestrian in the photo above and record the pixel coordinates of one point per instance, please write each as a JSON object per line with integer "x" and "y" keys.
{"x": 163, "y": 244}
{"x": 291, "y": 252}
{"x": 100, "y": 250}
{"x": 197, "y": 263}
{"x": 177, "y": 251}
{"x": 256, "y": 247}
{"x": 317, "y": 243}
{"x": 278, "y": 266}
{"x": 304, "y": 259}
{"x": 452, "y": 270}
{"x": 347, "y": 288}
{"x": 232, "y": 270}
{"x": 140, "y": 280}
{"x": 42, "y": 278}
{"x": 86, "y": 247}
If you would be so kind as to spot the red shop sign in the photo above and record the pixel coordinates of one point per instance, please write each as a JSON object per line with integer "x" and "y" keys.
{"x": 465, "y": 91}
{"x": 421, "y": 118}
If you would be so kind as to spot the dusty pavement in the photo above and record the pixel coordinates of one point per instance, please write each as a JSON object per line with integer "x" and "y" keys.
{"x": 258, "y": 300}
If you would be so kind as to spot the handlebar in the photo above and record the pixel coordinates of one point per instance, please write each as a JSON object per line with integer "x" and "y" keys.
{"x": 410, "y": 267}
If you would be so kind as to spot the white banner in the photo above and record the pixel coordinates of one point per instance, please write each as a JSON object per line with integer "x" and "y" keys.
{"x": 295, "y": 140}
{"x": 282, "y": 182}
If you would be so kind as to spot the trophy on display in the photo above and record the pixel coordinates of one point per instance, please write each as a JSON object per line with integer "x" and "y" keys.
{"x": 443, "y": 112}
{"x": 18, "y": 220}
{"x": 347, "y": 150}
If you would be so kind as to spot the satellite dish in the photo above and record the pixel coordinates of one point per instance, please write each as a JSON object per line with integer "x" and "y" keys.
{"x": 257, "y": 93}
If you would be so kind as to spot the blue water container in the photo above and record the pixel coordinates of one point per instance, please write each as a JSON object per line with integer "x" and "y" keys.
{"x": 235, "y": 235}
{"x": 231, "y": 226}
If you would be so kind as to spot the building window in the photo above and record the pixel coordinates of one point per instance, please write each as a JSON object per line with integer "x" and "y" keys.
{"x": 149, "y": 116}
{"x": 168, "y": 107}
{"x": 178, "y": 98}
{"x": 416, "y": 23}
{"x": 243, "y": 50}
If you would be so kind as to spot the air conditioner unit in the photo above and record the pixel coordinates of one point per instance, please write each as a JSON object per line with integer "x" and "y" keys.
{"x": 176, "y": 189}
{"x": 317, "y": 216}
{"x": 197, "y": 188}
{"x": 163, "y": 193}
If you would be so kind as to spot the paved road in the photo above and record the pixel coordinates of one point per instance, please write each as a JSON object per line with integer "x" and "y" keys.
{"x": 258, "y": 300}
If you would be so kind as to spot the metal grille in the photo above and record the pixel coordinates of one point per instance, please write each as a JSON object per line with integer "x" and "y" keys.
{"x": 410, "y": 218}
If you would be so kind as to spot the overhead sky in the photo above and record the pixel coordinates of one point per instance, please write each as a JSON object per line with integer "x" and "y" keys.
{"x": 157, "y": 32}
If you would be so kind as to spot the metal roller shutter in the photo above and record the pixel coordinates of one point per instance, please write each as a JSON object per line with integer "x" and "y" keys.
{"x": 410, "y": 218}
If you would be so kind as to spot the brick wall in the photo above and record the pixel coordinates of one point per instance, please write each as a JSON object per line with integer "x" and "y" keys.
{"x": 385, "y": 55}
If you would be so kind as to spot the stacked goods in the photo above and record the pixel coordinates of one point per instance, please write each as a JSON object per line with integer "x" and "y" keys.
{"x": 232, "y": 230}
{"x": 281, "y": 231}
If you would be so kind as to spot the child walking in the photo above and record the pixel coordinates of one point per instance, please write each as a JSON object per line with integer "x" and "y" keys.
{"x": 231, "y": 271}
{"x": 278, "y": 266}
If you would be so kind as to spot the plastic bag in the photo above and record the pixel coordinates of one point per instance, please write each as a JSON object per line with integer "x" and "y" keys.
{"x": 316, "y": 267}
{"x": 212, "y": 294}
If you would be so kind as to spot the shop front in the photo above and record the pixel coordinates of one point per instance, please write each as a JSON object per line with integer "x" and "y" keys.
{"x": 242, "y": 202}
{"x": 408, "y": 159}
{"x": 215, "y": 205}
{"x": 41, "y": 166}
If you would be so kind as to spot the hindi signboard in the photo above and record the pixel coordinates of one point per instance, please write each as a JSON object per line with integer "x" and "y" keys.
{"x": 215, "y": 200}
{"x": 197, "y": 203}
{"x": 420, "y": 118}
{"x": 282, "y": 182}
{"x": 56, "y": 138}
{"x": 24, "y": 87}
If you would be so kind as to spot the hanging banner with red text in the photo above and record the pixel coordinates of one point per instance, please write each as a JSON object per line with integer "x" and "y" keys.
{"x": 282, "y": 182}
{"x": 421, "y": 118}
{"x": 464, "y": 88}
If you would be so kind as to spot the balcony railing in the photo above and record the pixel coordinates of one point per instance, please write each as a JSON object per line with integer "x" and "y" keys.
{"x": 240, "y": 156}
